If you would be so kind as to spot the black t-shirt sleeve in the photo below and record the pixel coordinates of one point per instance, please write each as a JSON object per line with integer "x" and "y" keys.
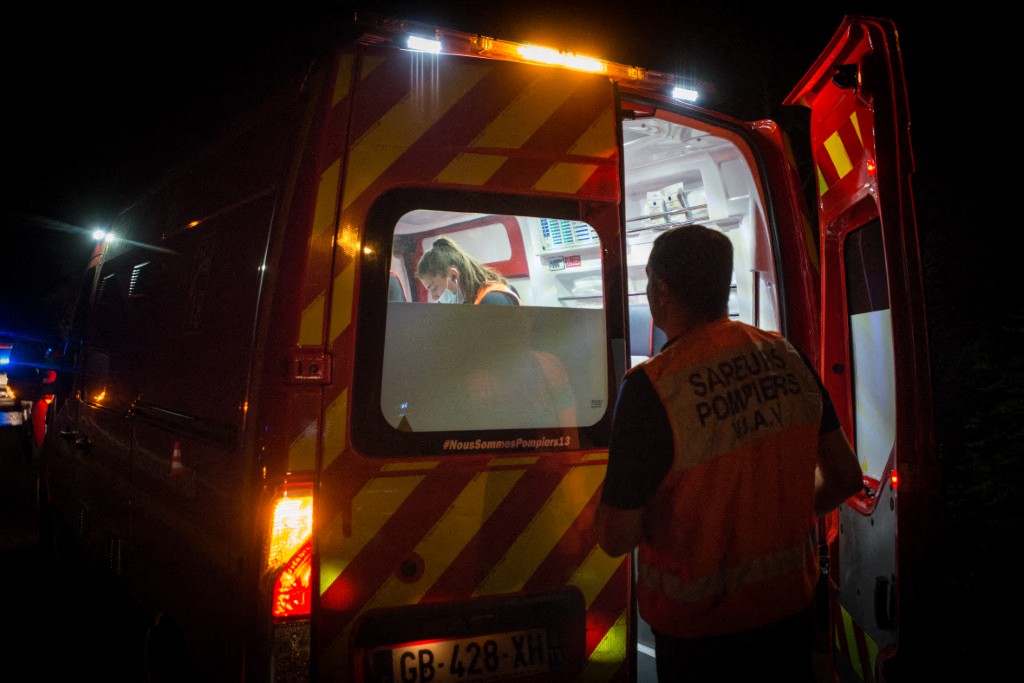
{"x": 829, "y": 420}
{"x": 641, "y": 449}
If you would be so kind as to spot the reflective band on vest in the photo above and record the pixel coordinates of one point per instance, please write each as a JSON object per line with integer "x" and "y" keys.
{"x": 495, "y": 287}
{"x": 731, "y": 535}
{"x": 731, "y": 580}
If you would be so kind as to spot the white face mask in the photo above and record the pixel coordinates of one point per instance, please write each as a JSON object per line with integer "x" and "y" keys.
{"x": 450, "y": 297}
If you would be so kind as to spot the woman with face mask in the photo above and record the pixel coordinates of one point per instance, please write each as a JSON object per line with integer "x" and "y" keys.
{"x": 452, "y": 276}
{"x": 512, "y": 384}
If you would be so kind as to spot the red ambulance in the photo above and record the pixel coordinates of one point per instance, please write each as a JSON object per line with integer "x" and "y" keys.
{"x": 276, "y": 438}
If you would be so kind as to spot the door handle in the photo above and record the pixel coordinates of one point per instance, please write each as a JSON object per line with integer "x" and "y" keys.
{"x": 78, "y": 440}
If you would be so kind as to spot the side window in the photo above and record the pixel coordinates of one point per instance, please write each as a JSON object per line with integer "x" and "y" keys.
{"x": 139, "y": 284}
{"x": 109, "y": 347}
{"x": 110, "y": 306}
{"x": 871, "y": 345}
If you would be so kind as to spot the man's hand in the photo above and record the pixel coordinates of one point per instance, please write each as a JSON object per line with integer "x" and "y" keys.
{"x": 618, "y": 531}
{"x": 837, "y": 475}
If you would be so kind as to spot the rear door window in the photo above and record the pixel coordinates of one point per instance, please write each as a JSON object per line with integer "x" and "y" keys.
{"x": 532, "y": 372}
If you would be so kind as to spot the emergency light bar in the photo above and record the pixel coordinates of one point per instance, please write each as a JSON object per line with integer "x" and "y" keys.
{"x": 435, "y": 40}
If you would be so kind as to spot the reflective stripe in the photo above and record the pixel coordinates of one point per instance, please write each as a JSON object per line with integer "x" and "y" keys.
{"x": 729, "y": 580}
{"x": 399, "y": 128}
{"x": 547, "y": 527}
{"x": 840, "y": 153}
{"x": 854, "y": 643}
{"x": 495, "y": 287}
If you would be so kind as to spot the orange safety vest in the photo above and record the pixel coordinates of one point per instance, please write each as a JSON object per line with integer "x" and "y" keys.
{"x": 495, "y": 287}
{"x": 559, "y": 389}
{"x": 730, "y": 538}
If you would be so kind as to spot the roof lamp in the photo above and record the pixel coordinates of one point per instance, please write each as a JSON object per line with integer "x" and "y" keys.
{"x": 685, "y": 94}
{"x": 423, "y": 44}
{"x": 546, "y": 55}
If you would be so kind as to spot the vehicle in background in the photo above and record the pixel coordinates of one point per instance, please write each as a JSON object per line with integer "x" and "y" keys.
{"x": 264, "y": 432}
{"x": 30, "y": 368}
{"x": 11, "y": 410}
{"x": 8, "y": 399}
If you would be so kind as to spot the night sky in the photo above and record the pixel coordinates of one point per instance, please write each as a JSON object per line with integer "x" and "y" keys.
{"x": 103, "y": 98}
{"x": 98, "y": 101}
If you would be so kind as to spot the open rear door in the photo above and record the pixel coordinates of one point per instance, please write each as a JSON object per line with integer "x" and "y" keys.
{"x": 874, "y": 344}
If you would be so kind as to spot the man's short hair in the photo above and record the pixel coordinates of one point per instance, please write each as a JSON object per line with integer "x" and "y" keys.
{"x": 695, "y": 261}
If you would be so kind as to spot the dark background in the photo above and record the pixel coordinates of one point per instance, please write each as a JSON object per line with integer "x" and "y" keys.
{"x": 97, "y": 99}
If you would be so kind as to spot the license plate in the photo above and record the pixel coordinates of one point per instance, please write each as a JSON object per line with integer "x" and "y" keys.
{"x": 483, "y": 658}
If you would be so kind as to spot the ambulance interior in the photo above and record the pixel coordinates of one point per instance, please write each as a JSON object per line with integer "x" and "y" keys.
{"x": 464, "y": 368}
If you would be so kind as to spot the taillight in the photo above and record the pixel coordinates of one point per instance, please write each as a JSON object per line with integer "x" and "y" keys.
{"x": 290, "y": 553}
{"x": 292, "y": 590}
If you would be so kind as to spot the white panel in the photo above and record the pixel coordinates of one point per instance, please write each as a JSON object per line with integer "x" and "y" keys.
{"x": 874, "y": 389}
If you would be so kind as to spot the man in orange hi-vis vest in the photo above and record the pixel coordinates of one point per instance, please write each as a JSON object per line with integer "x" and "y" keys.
{"x": 724, "y": 449}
